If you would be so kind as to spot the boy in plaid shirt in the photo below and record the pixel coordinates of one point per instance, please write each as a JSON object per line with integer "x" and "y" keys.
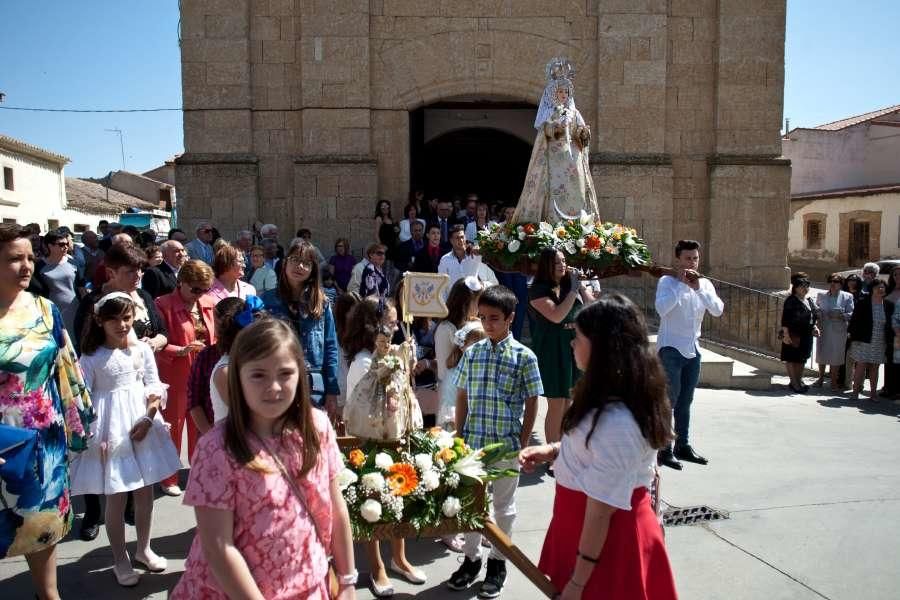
{"x": 498, "y": 384}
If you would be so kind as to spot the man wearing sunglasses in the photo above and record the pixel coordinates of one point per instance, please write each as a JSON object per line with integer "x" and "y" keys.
{"x": 201, "y": 247}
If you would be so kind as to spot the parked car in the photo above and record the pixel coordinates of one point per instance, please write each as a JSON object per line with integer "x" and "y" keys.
{"x": 885, "y": 267}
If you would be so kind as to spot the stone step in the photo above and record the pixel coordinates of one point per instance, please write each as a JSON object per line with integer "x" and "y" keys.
{"x": 719, "y": 371}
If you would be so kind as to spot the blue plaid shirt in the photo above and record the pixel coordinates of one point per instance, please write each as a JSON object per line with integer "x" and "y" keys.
{"x": 497, "y": 379}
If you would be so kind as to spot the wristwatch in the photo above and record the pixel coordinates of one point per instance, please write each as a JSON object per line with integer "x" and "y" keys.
{"x": 348, "y": 579}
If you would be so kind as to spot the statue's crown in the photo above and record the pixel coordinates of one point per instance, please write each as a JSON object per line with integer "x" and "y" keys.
{"x": 560, "y": 68}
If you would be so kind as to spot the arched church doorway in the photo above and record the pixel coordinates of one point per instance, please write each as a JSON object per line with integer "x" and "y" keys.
{"x": 464, "y": 147}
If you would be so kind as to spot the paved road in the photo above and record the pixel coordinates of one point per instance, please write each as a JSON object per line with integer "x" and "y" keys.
{"x": 811, "y": 483}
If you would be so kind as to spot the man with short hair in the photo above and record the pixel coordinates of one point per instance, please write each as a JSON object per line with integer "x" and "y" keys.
{"x": 682, "y": 300}
{"x": 270, "y": 251}
{"x": 162, "y": 279}
{"x": 407, "y": 251}
{"x": 444, "y": 220}
{"x": 100, "y": 274}
{"x": 243, "y": 243}
{"x": 103, "y": 227}
{"x": 306, "y": 235}
{"x": 870, "y": 273}
{"x": 201, "y": 247}
{"x": 463, "y": 261}
{"x": 270, "y": 232}
{"x": 178, "y": 235}
{"x": 471, "y": 209}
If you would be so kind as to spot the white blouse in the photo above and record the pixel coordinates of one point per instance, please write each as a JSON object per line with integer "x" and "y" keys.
{"x": 617, "y": 459}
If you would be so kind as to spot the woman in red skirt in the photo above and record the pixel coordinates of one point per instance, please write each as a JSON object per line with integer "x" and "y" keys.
{"x": 604, "y": 540}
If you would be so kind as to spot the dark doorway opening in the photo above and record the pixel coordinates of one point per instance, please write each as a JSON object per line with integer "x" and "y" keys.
{"x": 859, "y": 242}
{"x": 485, "y": 160}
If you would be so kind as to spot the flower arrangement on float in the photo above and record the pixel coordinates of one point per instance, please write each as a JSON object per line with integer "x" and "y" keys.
{"x": 597, "y": 247}
{"x": 433, "y": 482}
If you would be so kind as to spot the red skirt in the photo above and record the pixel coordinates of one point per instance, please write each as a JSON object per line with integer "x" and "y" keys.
{"x": 633, "y": 564}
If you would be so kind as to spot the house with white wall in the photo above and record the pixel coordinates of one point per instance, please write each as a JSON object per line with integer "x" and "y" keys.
{"x": 845, "y": 191}
{"x": 35, "y": 189}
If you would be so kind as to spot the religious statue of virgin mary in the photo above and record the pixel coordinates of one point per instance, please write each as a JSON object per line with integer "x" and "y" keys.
{"x": 558, "y": 185}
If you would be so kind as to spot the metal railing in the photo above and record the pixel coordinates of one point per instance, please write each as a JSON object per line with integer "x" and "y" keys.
{"x": 751, "y": 319}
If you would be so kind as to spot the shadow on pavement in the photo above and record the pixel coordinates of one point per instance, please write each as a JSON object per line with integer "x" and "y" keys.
{"x": 91, "y": 575}
{"x": 883, "y": 407}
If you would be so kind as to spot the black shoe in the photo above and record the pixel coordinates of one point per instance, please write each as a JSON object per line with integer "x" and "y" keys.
{"x": 465, "y": 575}
{"x": 494, "y": 579}
{"x": 89, "y": 529}
{"x": 667, "y": 459}
{"x": 686, "y": 453}
{"x": 550, "y": 470}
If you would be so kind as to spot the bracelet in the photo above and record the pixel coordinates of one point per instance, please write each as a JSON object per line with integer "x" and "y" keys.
{"x": 588, "y": 558}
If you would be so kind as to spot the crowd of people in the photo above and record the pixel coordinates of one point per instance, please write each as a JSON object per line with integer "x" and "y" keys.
{"x": 857, "y": 329}
{"x": 112, "y": 349}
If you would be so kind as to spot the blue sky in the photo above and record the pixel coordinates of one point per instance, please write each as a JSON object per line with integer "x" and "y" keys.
{"x": 842, "y": 59}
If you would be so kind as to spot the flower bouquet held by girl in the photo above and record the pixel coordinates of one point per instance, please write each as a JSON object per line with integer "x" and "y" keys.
{"x": 383, "y": 406}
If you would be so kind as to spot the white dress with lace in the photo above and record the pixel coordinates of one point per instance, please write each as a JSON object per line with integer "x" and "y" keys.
{"x": 120, "y": 382}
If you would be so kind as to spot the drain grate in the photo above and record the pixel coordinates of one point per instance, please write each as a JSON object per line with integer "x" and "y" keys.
{"x": 691, "y": 515}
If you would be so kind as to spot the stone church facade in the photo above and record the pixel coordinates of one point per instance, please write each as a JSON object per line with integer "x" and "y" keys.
{"x": 303, "y": 112}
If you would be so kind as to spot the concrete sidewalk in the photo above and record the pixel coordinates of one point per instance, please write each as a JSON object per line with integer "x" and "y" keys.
{"x": 811, "y": 483}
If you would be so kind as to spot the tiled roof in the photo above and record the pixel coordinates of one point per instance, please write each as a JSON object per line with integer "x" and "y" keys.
{"x": 850, "y": 121}
{"x": 14, "y": 145}
{"x": 863, "y": 190}
{"x": 91, "y": 197}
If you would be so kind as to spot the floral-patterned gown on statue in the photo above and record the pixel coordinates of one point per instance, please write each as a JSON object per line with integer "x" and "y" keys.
{"x": 41, "y": 388}
{"x": 558, "y": 185}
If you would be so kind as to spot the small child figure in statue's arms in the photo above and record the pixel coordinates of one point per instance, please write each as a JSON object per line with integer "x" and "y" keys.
{"x": 382, "y": 401}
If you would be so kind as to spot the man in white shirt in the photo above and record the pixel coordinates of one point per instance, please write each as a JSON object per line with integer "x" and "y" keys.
{"x": 461, "y": 261}
{"x": 681, "y": 301}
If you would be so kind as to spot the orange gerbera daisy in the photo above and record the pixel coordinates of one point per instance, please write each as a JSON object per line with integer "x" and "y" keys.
{"x": 357, "y": 458}
{"x": 402, "y": 479}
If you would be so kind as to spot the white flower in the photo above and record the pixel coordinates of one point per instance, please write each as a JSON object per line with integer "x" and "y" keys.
{"x": 521, "y": 235}
{"x": 451, "y": 507}
{"x": 346, "y": 478}
{"x": 444, "y": 439}
{"x": 545, "y": 228}
{"x": 514, "y": 246}
{"x": 453, "y": 480}
{"x": 431, "y": 480}
{"x": 370, "y": 510}
{"x": 373, "y": 482}
{"x": 520, "y": 228}
{"x": 580, "y": 242}
{"x": 383, "y": 460}
{"x": 423, "y": 461}
{"x": 470, "y": 466}
{"x": 587, "y": 222}
{"x": 570, "y": 247}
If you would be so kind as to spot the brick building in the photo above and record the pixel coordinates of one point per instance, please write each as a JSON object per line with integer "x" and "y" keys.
{"x": 304, "y": 112}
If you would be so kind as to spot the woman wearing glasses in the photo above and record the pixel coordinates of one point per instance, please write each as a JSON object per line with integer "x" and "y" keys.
{"x": 56, "y": 278}
{"x": 189, "y": 315}
{"x": 374, "y": 281}
{"x": 300, "y": 299}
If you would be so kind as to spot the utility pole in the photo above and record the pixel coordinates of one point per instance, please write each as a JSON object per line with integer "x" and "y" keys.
{"x": 121, "y": 143}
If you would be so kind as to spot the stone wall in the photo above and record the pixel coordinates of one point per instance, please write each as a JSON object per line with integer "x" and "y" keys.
{"x": 316, "y": 95}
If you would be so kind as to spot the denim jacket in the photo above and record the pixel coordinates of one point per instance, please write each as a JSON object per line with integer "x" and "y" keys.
{"x": 318, "y": 339}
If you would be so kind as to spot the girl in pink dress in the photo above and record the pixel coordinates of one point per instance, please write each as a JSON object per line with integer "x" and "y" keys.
{"x": 260, "y": 535}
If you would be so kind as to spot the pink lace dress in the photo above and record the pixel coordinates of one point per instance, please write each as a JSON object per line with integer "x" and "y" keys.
{"x": 273, "y": 532}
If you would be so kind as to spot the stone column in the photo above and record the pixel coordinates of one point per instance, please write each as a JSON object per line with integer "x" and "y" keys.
{"x": 749, "y": 186}
{"x": 216, "y": 176}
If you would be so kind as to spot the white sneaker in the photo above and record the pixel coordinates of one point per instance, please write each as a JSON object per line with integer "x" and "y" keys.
{"x": 171, "y": 490}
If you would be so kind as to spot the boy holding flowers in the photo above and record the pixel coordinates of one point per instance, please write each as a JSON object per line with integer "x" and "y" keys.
{"x": 498, "y": 384}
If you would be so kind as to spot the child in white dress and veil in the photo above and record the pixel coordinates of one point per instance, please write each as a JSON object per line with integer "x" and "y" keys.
{"x": 130, "y": 448}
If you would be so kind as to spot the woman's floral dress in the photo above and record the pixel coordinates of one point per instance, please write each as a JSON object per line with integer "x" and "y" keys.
{"x": 41, "y": 388}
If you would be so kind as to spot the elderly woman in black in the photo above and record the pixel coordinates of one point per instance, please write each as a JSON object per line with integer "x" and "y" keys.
{"x": 871, "y": 335}
{"x": 798, "y": 327}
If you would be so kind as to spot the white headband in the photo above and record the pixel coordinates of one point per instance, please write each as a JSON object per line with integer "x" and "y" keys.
{"x": 459, "y": 338}
{"x": 473, "y": 283}
{"x": 109, "y": 297}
